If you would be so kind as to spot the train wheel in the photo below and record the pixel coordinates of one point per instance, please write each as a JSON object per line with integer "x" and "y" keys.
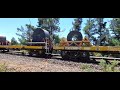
{"x": 30, "y": 53}
{"x": 74, "y": 55}
{"x": 3, "y": 51}
{"x": 64, "y": 55}
{"x": 7, "y": 50}
{"x": 85, "y": 56}
{"x": 40, "y": 54}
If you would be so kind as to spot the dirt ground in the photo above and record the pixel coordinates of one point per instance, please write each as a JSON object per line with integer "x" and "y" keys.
{"x": 16, "y": 63}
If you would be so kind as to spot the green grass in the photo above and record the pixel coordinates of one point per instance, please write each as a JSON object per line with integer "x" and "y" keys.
{"x": 3, "y": 67}
{"x": 109, "y": 67}
{"x": 85, "y": 67}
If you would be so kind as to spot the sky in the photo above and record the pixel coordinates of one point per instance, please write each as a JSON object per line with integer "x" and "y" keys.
{"x": 8, "y": 26}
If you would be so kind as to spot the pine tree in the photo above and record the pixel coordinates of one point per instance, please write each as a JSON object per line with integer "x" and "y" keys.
{"x": 25, "y": 34}
{"x": 49, "y": 24}
{"x": 14, "y": 41}
{"x": 102, "y": 32}
{"x": 97, "y": 32}
{"x": 89, "y": 30}
{"x": 115, "y": 29}
{"x": 77, "y": 24}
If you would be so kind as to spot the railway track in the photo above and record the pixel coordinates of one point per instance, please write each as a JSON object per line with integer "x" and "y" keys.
{"x": 58, "y": 56}
{"x": 55, "y": 64}
{"x": 105, "y": 58}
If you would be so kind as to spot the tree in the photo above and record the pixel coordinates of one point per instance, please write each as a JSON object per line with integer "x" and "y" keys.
{"x": 49, "y": 24}
{"x": 77, "y": 24}
{"x": 115, "y": 29}
{"x": 96, "y": 31}
{"x": 56, "y": 39}
{"x": 25, "y": 34}
{"x": 103, "y": 32}
{"x": 14, "y": 41}
{"x": 90, "y": 30}
{"x": 63, "y": 39}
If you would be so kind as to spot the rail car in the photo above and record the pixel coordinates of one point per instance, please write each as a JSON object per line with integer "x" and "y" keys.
{"x": 75, "y": 47}
{"x": 3, "y": 41}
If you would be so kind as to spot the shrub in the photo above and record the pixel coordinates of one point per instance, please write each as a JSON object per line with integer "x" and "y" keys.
{"x": 3, "y": 67}
{"x": 109, "y": 67}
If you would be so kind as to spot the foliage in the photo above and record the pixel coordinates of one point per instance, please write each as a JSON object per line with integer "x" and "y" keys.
{"x": 114, "y": 42}
{"x": 103, "y": 33}
{"x": 63, "y": 39}
{"x": 14, "y": 41}
{"x": 56, "y": 39}
{"x": 115, "y": 29}
{"x": 109, "y": 67}
{"x": 25, "y": 34}
{"x": 85, "y": 66}
{"x": 3, "y": 68}
{"x": 97, "y": 54}
{"x": 89, "y": 30}
{"x": 50, "y": 24}
{"x": 96, "y": 31}
{"x": 77, "y": 24}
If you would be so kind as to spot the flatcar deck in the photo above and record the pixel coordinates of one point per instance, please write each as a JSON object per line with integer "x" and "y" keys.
{"x": 20, "y": 47}
{"x": 90, "y": 48}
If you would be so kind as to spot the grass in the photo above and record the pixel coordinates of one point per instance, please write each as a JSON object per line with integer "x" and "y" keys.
{"x": 85, "y": 67}
{"x": 3, "y": 67}
{"x": 98, "y": 54}
{"x": 109, "y": 67}
{"x": 105, "y": 67}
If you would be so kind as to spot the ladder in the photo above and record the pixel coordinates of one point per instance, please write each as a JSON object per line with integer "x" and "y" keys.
{"x": 47, "y": 49}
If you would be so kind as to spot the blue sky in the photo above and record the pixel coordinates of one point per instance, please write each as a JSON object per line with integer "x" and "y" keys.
{"x": 8, "y": 26}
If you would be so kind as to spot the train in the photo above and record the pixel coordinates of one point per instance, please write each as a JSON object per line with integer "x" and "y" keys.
{"x": 74, "y": 38}
{"x": 76, "y": 47}
{"x": 3, "y": 40}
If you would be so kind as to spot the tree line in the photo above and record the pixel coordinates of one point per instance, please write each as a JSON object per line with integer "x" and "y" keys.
{"x": 95, "y": 30}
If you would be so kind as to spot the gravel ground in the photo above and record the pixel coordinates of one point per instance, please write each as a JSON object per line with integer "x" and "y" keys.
{"x": 32, "y": 64}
